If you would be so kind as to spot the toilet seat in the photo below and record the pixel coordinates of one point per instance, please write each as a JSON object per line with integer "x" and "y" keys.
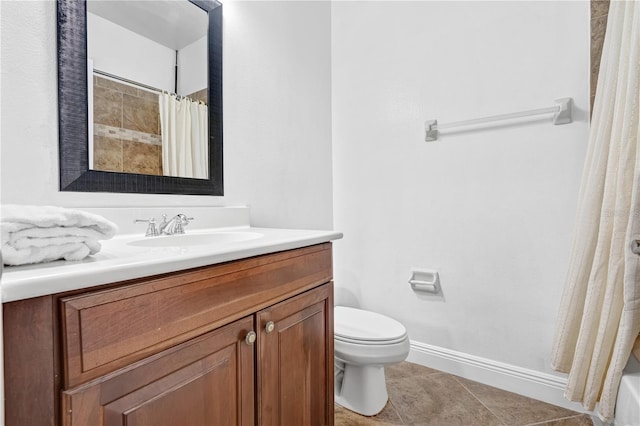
{"x": 371, "y": 342}
{"x": 357, "y": 326}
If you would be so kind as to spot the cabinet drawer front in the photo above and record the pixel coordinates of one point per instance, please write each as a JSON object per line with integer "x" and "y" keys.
{"x": 106, "y": 330}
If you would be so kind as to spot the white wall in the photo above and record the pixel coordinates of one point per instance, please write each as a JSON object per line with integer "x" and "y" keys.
{"x": 272, "y": 114}
{"x": 119, "y": 51}
{"x": 193, "y": 67}
{"x": 491, "y": 210}
{"x": 279, "y": 58}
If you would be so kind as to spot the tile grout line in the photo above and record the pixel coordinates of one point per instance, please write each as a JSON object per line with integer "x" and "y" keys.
{"x": 543, "y": 422}
{"x": 400, "y": 379}
{"x": 555, "y": 420}
{"x": 479, "y": 400}
{"x": 396, "y": 411}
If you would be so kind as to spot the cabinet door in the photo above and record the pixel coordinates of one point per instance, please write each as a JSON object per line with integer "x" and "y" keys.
{"x": 208, "y": 380}
{"x": 295, "y": 360}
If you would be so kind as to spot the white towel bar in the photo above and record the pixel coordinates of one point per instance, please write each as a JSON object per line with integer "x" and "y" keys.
{"x": 561, "y": 115}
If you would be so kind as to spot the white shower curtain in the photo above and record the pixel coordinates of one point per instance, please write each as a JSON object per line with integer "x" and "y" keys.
{"x": 599, "y": 317}
{"x": 199, "y": 145}
{"x": 184, "y": 132}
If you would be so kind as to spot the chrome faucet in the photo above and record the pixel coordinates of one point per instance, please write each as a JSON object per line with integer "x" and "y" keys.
{"x": 173, "y": 226}
{"x": 152, "y": 230}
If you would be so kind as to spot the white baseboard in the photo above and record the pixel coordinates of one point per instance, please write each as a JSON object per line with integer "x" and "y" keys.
{"x": 533, "y": 384}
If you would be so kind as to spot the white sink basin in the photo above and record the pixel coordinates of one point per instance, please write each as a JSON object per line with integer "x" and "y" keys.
{"x": 188, "y": 240}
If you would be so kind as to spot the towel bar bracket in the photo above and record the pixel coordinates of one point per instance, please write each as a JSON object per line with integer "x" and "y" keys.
{"x": 430, "y": 127}
{"x": 563, "y": 116}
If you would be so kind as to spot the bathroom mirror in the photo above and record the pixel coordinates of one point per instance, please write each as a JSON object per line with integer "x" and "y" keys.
{"x": 77, "y": 173}
{"x": 147, "y": 87}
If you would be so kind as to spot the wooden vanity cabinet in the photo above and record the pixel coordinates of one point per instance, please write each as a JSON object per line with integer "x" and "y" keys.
{"x": 248, "y": 342}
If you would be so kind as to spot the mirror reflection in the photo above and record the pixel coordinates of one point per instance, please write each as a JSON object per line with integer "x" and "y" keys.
{"x": 147, "y": 88}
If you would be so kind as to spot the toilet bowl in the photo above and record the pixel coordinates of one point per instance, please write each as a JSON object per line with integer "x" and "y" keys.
{"x": 364, "y": 342}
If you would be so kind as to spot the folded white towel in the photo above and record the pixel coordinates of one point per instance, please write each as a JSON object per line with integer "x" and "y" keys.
{"x": 34, "y": 234}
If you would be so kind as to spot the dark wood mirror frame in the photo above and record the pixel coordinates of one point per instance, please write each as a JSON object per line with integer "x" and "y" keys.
{"x": 73, "y": 114}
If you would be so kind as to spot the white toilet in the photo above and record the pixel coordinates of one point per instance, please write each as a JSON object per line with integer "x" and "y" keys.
{"x": 364, "y": 343}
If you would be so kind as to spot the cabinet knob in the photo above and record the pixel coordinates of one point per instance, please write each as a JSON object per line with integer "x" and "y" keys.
{"x": 269, "y": 327}
{"x": 251, "y": 338}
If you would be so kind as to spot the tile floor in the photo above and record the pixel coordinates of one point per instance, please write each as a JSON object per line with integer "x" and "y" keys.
{"x": 422, "y": 396}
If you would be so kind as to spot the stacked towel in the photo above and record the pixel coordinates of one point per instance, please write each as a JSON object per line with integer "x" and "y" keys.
{"x": 34, "y": 234}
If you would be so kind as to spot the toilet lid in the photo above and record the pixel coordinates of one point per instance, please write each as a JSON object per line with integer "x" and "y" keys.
{"x": 357, "y": 324}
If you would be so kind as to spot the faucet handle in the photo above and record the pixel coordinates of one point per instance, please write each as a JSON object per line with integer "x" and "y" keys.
{"x": 181, "y": 221}
{"x": 185, "y": 219}
{"x": 152, "y": 231}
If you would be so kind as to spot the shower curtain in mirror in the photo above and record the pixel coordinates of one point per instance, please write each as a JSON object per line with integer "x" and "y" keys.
{"x": 599, "y": 317}
{"x": 184, "y": 132}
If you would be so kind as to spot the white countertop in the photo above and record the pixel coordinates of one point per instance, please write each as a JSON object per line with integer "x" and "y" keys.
{"x": 118, "y": 260}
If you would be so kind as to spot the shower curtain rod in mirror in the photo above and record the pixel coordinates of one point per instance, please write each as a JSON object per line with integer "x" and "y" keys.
{"x": 134, "y": 83}
{"x": 561, "y": 115}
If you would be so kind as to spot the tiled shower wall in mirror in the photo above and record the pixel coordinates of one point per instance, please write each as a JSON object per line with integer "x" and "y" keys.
{"x": 126, "y": 128}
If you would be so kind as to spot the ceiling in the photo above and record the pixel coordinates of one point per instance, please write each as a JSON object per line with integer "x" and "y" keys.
{"x": 172, "y": 23}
